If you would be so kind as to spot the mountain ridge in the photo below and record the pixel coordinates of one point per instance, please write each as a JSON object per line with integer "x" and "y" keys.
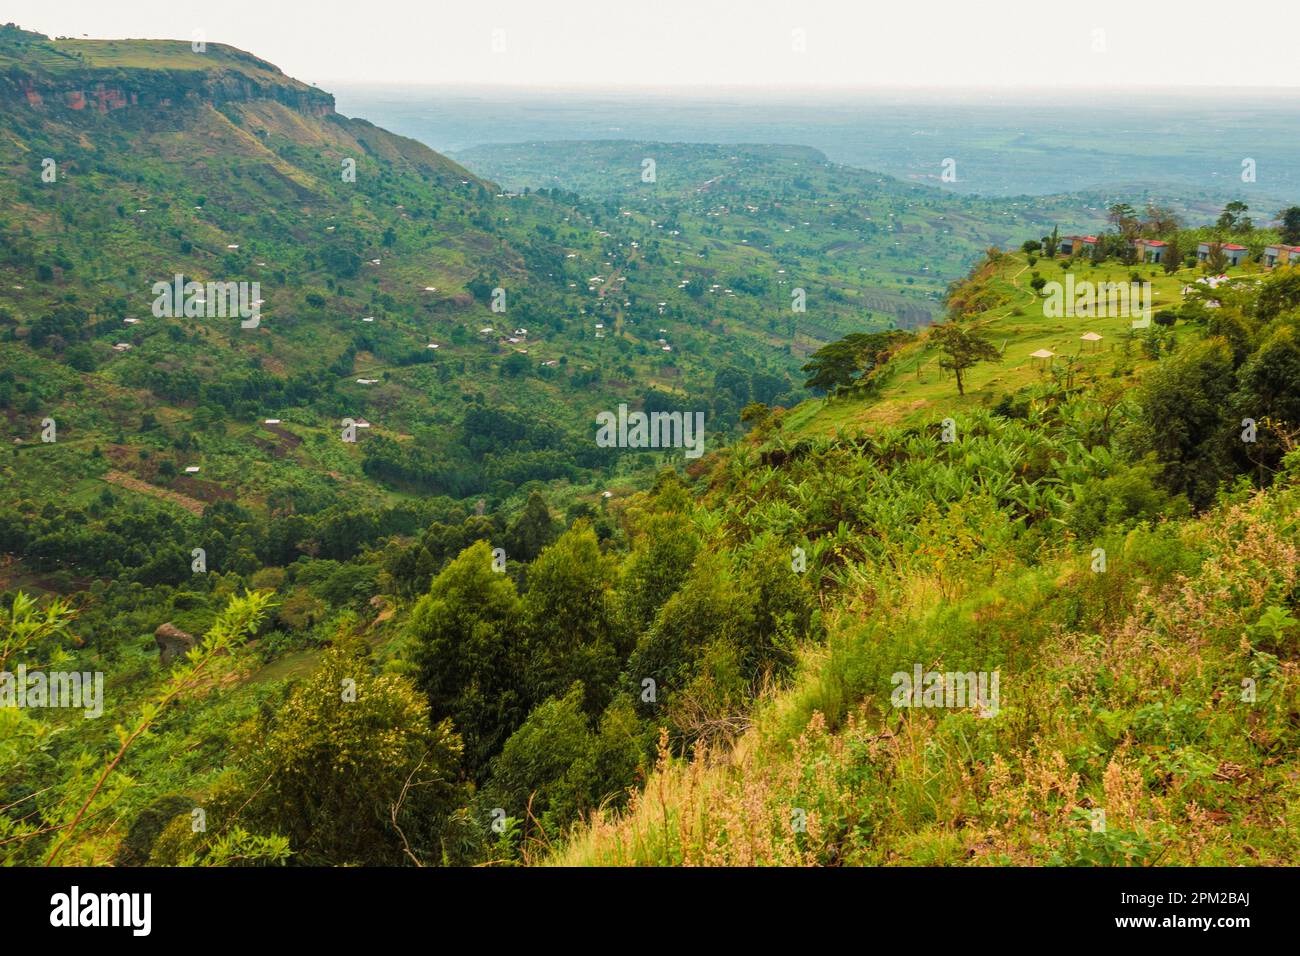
{"x": 151, "y": 74}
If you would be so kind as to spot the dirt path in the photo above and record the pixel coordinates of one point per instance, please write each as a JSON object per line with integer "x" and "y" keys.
{"x": 616, "y": 275}
{"x": 131, "y": 483}
{"x": 1033, "y": 296}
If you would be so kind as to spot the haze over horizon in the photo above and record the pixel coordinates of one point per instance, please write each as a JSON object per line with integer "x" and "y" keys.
{"x": 727, "y": 434}
{"x": 720, "y": 44}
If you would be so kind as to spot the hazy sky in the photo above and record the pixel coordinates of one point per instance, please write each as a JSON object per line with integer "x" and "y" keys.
{"x": 724, "y": 42}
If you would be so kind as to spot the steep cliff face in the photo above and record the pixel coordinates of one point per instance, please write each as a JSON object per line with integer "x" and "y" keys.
{"x": 107, "y": 75}
{"x": 94, "y": 90}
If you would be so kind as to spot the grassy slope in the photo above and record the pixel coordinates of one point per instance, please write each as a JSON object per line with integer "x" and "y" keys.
{"x": 918, "y": 389}
{"x": 1121, "y": 691}
{"x": 1137, "y": 713}
{"x": 72, "y": 55}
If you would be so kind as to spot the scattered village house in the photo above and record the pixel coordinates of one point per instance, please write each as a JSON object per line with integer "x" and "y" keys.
{"x": 1234, "y": 253}
{"x": 1281, "y": 255}
{"x": 1076, "y": 245}
{"x": 1150, "y": 250}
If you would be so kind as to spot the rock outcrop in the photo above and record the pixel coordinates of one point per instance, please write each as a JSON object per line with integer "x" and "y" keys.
{"x": 173, "y": 643}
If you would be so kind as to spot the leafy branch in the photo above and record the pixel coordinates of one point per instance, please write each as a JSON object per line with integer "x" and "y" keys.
{"x": 239, "y": 620}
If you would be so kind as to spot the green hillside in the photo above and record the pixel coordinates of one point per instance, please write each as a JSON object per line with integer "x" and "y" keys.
{"x": 918, "y": 388}
{"x": 356, "y": 600}
{"x": 376, "y": 294}
{"x": 1100, "y": 538}
{"x": 868, "y": 249}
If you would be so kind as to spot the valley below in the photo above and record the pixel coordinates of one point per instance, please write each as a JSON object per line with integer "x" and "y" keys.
{"x": 638, "y": 482}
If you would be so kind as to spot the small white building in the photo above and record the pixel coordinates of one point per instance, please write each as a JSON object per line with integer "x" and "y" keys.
{"x": 1234, "y": 253}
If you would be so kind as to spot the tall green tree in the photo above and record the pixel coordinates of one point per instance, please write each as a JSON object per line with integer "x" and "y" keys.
{"x": 1216, "y": 260}
{"x": 1052, "y": 242}
{"x": 1124, "y": 218}
{"x": 351, "y": 769}
{"x": 1159, "y": 221}
{"x": 1290, "y": 227}
{"x": 1172, "y": 259}
{"x": 463, "y": 650}
{"x": 1270, "y": 395}
{"x": 1182, "y": 409}
{"x": 532, "y": 531}
{"x": 709, "y": 608}
{"x": 569, "y": 620}
{"x": 1234, "y": 218}
{"x": 558, "y": 766}
{"x": 962, "y": 350}
{"x": 657, "y": 566}
{"x": 852, "y": 360}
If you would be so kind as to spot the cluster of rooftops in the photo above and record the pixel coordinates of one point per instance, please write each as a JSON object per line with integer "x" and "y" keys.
{"x": 1153, "y": 250}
